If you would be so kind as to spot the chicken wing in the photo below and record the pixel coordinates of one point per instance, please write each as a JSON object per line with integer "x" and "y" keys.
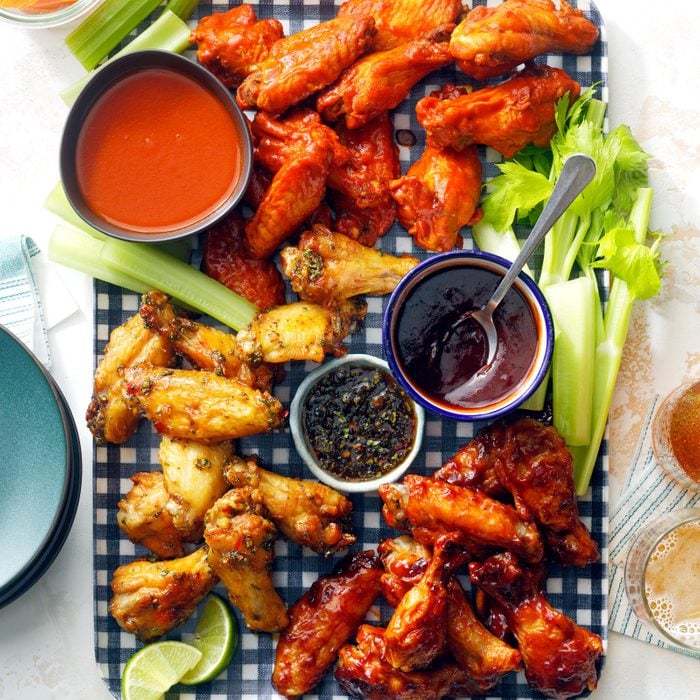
{"x": 241, "y": 543}
{"x": 300, "y": 331}
{"x": 201, "y": 406}
{"x": 151, "y": 598}
{"x": 559, "y": 656}
{"x": 400, "y": 21}
{"x": 506, "y": 117}
{"x": 232, "y": 44}
{"x": 111, "y": 417}
{"x": 306, "y": 512}
{"x": 305, "y": 63}
{"x": 491, "y": 41}
{"x": 322, "y": 620}
{"x": 405, "y": 561}
{"x": 438, "y": 195}
{"x": 380, "y": 81}
{"x": 327, "y": 267}
{"x": 439, "y": 507}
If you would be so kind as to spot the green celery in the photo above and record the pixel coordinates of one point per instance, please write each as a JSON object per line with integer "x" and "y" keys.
{"x": 93, "y": 39}
{"x": 182, "y": 8}
{"x": 502, "y": 243}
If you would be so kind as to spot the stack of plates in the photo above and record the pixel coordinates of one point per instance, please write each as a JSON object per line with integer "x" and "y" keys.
{"x": 40, "y": 469}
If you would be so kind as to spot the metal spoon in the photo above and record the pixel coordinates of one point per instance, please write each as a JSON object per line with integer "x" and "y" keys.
{"x": 578, "y": 170}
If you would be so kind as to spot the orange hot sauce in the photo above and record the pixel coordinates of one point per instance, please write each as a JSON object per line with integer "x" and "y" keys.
{"x": 158, "y": 151}
{"x": 684, "y": 431}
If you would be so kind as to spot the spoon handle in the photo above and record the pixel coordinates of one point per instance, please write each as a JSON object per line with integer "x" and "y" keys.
{"x": 577, "y": 171}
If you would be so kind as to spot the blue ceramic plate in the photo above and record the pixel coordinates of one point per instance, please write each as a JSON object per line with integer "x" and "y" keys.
{"x": 40, "y": 466}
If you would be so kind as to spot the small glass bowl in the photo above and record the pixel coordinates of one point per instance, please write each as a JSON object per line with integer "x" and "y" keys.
{"x": 24, "y": 17}
{"x": 301, "y": 443}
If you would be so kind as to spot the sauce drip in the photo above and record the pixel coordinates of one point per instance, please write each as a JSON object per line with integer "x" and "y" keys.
{"x": 405, "y": 137}
{"x": 684, "y": 432}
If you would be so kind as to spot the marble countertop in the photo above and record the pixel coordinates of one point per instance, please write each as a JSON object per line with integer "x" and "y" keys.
{"x": 46, "y": 636}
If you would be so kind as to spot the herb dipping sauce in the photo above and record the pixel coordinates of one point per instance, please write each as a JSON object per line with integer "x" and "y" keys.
{"x": 359, "y": 422}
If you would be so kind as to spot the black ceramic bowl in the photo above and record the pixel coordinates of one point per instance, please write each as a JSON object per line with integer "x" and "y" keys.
{"x": 114, "y": 75}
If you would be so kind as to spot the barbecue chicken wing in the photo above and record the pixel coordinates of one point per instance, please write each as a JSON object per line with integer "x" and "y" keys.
{"x": 438, "y": 195}
{"x": 111, "y": 416}
{"x": 205, "y": 347}
{"x": 201, "y": 406}
{"x": 327, "y": 267}
{"x": 322, "y": 620}
{"x": 151, "y": 598}
{"x": 435, "y": 507}
{"x": 241, "y": 549}
{"x": 300, "y": 331}
{"x": 559, "y": 656}
{"x": 380, "y": 81}
{"x": 506, "y": 117}
{"x": 306, "y": 512}
{"x": 405, "y": 561}
{"x": 401, "y": 21}
{"x": 226, "y": 258}
{"x": 305, "y": 63}
{"x": 231, "y": 44}
{"x": 491, "y": 41}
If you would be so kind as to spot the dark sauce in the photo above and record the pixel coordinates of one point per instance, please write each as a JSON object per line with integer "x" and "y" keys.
{"x": 359, "y": 423}
{"x": 429, "y": 312}
{"x": 405, "y": 137}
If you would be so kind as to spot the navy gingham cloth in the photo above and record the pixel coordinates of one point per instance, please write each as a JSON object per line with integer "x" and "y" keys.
{"x": 580, "y": 593}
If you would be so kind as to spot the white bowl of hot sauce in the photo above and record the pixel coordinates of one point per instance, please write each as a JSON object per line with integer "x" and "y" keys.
{"x": 154, "y": 148}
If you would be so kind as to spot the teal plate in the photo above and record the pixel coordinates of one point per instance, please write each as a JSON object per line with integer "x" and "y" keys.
{"x": 40, "y": 468}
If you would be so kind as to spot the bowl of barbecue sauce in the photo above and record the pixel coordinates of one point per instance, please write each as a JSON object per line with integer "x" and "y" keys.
{"x": 353, "y": 425}
{"x": 441, "y": 363}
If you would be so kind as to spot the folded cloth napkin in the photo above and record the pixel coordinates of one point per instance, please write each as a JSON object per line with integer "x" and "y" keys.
{"x": 648, "y": 493}
{"x": 20, "y": 306}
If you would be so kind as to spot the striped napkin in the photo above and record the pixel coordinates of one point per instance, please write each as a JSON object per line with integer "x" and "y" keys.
{"x": 648, "y": 493}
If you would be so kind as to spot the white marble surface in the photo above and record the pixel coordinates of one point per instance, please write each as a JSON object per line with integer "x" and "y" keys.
{"x": 46, "y": 636}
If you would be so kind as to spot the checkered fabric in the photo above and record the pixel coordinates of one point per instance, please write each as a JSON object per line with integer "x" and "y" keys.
{"x": 580, "y": 593}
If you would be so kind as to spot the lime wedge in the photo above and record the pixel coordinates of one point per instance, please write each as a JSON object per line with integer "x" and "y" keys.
{"x": 216, "y": 636}
{"x": 156, "y": 668}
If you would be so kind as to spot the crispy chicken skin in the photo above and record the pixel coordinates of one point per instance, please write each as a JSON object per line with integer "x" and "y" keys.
{"x": 506, "y": 117}
{"x": 322, "y": 620}
{"x": 241, "y": 549}
{"x": 304, "y": 63}
{"x": 401, "y": 21}
{"x": 491, "y": 41}
{"x": 559, "y": 656}
{"x": 380, "y": 81}
{"x": 205, "y": 347}
{"x": 111, "y": 417}
{"x": 405, "y": 561}
{"x": 438, "y": 507}
{"x": 231, "y": 44}
{"x": 306, "y": 512}
{"x": 438, "y": 196}
{"x": 151, "y": 598}
{"x": 201, "y": 406}
{"x": 326, "y": 267}
{"x": 300, "y": 331}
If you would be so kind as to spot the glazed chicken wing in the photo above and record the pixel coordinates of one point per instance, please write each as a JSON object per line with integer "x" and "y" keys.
{"x": 241, "y": 543}
{"x": 405, "y": 561}
{"x": 326, "y": 267}
{"x": 306, "y": 512}
{"x": 305, "y": 63}
{"x": 300, "y": 331}
{"x": 438, "y": 195}
{"x": 491, "y": 41}
{"x": 151, "y": 598}
{"x": 506, "y": 117}
{"x": 322, "y": 620}
{"x": 231, "y": 44}
{"x": 111, "y": 417}
{"x": 401, "y": 21}
{"x": 201, "y": 406}
{"x": 559, "y": 656}
{"x": 380, "y": 81}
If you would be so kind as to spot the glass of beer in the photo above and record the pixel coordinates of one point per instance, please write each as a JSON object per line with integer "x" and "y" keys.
{"x": 662, "y": 577}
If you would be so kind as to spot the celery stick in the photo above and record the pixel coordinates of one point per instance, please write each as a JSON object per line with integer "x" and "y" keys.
{"x": 502, "y": 243}
{"x": 111, "y": 22}
{"x": 168, "y": 33}
{"x": 182, "y": 8}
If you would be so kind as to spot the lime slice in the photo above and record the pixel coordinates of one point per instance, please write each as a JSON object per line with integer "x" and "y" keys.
{"x": 216, "y": 636}
{"x": 156, "y": 668}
